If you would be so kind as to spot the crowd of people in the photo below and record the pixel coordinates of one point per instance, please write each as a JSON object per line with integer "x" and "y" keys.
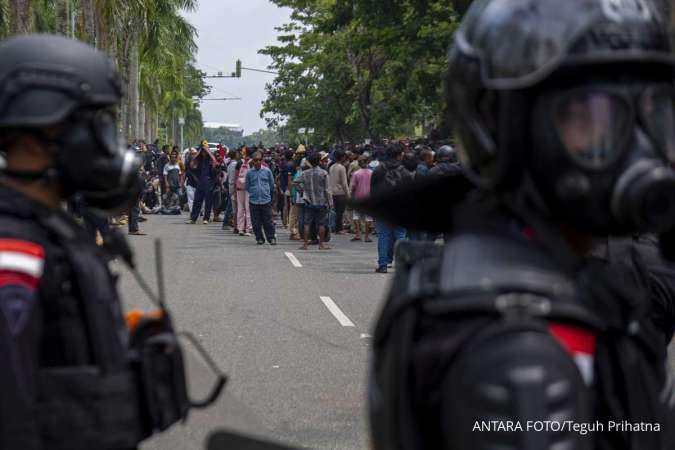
{"x": 306, "y": 190}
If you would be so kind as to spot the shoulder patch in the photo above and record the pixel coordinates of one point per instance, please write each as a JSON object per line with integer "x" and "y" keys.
{"x": 22, "y": 259}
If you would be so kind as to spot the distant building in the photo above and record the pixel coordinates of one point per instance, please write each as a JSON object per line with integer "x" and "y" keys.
{"x": 230, "y": 134}
{"x": 233, "y": 128}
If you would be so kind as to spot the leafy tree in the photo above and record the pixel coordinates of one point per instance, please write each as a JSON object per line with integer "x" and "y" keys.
{"x": 151, "y": 42}
{"x": 354, "y": 69}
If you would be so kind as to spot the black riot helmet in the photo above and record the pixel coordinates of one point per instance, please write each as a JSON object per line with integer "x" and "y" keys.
{"x": 65, "y": 85}
{"x": 447, "y": 153}
{"x": 576, "y": 95}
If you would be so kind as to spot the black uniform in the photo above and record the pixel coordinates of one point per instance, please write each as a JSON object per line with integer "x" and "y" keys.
{"x": 513, "y": 336}
{"x": 640, "y": 256}
{"x": 492, "y": 327}
{"x": 66, "y": 372}
{"x": 72, "y": 377}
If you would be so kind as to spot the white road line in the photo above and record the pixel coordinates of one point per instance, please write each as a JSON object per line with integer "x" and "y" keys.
{"x": 293, "y": 259}
{"x": 337, "y": 312}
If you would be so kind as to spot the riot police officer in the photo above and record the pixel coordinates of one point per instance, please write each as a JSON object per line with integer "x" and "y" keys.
{"x": 447, "y": 162}
{"x": 514, "y": 336}
{"x": 66, "y": 377}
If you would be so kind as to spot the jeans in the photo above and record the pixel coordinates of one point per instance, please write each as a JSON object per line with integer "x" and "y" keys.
{"x": 228, "y": 211}
{"x": 134, "y": 212}
{"x": 340, "y": 202}
{"x": 261, "y": 218}
{"x": 387, "y": 236}
{"x": 94, "y": 222}
{"x": 204, "y": 194}
{"x": 235, "y": 208}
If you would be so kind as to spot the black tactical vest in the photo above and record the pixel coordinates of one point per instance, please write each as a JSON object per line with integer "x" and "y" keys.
{"x": 86, "y": 393}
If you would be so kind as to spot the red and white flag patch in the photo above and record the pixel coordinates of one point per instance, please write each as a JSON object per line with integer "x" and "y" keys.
{"x": 21, "y": 268}
{"x": 21, "y": 258}
{"x": 580, "y": 344}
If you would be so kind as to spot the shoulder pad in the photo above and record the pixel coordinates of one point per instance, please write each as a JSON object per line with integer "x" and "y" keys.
{"x": 490, "y": 263}
{"x": 501, "y": 389}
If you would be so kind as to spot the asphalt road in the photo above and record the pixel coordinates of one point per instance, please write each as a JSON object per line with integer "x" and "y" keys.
{"x": 294, "y": 341}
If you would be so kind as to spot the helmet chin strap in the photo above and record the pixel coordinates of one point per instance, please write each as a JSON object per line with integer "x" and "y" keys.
{"x": 47, "y": 175}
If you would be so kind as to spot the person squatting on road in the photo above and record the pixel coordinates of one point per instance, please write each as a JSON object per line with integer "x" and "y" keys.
{"x": 261, "y": 187}
{"x": 565, "y": 111}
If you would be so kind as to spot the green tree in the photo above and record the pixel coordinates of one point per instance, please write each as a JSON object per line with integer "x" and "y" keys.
{"x": 151, "y": 42}
{"x": 353, "y": 69}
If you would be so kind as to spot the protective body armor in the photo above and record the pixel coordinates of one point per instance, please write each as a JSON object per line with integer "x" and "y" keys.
{"x": 483, "y": 341}
{"x": 72, "y": 381}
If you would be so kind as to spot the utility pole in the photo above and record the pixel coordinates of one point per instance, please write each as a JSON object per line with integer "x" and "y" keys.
{"x": 181, "y": 122}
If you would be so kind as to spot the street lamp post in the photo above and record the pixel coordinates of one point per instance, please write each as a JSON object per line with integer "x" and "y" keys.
{"x": 181, "y": 122}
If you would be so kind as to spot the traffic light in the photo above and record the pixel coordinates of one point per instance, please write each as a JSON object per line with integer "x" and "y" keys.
{"x": 237, "y": 73}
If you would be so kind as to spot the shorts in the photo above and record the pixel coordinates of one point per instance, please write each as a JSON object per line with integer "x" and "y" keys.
{"x": 359, "y": 216}
{"x": 315, "y": 215}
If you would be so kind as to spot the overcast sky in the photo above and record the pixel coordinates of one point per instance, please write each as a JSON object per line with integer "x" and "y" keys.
{"x": 231, "y": 30}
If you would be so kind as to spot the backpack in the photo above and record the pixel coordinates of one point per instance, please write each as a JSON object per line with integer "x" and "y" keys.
{"x": 395, "y": 177}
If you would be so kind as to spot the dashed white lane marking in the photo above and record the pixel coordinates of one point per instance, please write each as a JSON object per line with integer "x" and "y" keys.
{"x": 337, "y": 312}
{"x": 293, "y": 259}
{"x": 365, "y": 336}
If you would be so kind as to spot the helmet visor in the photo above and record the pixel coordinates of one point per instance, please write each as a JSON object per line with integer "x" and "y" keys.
{"x": 657, "y": 111}
{"x": 592, "y": 126}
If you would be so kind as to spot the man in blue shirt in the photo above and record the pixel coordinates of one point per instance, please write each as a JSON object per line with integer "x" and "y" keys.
{"x": 260, "y": 187}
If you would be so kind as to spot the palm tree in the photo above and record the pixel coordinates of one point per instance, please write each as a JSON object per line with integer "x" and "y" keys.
{"x": 21, "y": 18}
{"x": 4, "y": 18}
{"x": 62, "y": 13}
{"x": 151, "y": 43}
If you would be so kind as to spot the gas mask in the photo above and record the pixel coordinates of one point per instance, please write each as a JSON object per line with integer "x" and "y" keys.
{"x": 602, "y": 156}
{"x": 92, "y": 162}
